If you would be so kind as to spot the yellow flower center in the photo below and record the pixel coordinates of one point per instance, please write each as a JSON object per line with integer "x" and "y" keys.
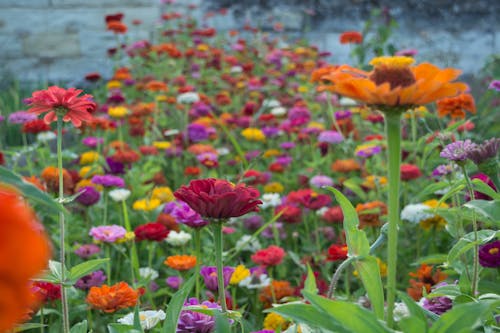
{"x": 393, "y": 70}
{"x": 494, "y": 250}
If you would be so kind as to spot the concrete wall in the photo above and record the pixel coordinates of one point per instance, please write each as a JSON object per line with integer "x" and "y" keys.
{"x": 62, "y": 40}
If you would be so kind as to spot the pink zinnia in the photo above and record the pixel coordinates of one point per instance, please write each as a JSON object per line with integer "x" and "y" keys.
{"x": 108, "y": 233}
{"x": 59, "y": 101}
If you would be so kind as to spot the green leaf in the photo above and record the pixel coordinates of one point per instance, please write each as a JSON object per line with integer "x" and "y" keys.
{"x": 351, "y": 316}
{"x": 358, "y": 246}
{"x": 415, "y": 310}
{"x": 451, "y": 291}
{"x": 80, "y": 327}
{"x": 433, "y": 259}
{"x": 489, "y": 209}
{"x": 137, "y": 319}
{"x": 353, "y": 186}
{"x": 30, "y": 191}
{"x": 121, "y": 328}
{"x": 221, "y": 323}
{"x": 369, "y": 272}
{"x": 85, "y": 268}
{"x": 413, "y": 325}
{"x": 461, "y": 318}
{"x": 484, "y": 188}
{"x": 307, "y": 314}
{"x": 175, "y": 306}
{"x": 467, "y": 242}
{"x": 28, "y": 326}
{"x": 430, "y": 190}
{"x": 310, "y": 283}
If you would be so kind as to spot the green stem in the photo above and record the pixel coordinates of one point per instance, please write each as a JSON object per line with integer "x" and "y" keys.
{"x": 105, "y": 211}
{"x": 133, "y": 251}
{"x": 62, "y": 242}
{"x": 393, "y": 131}
{"x": 197, "y": 253}
{"x": 336, "y": 276}
{"x": 108, "y": 265}
{"x": 475, "y": 267}
{"x": 28, "y": 158}
{"x": 217, "y": 226}
{"x": 42, "y": 319}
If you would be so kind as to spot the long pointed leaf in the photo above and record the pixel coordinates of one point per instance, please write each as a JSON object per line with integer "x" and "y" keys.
{"x": 175, "y": 306}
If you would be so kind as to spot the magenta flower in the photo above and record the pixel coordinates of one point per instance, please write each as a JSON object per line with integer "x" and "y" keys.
{"x": 108, "y": 233}
{"x": 489, "y": 254}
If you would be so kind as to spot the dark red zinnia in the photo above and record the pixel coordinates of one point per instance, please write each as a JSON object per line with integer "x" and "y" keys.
{"x": 152, "y": 231}
{"x": 219, "y": 199}
{"x": 337, "y": 252}
{"x": 410, "y": 172}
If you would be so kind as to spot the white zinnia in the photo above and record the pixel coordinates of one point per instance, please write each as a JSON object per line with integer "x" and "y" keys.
{"x": 188, "y": 98}
{"x": 414, "y": 213}
{"x": 270, "y": 200}
{"x": 148, "y": 273}
{"x": 271, "y": 103}
{"x": 255, "y": 281}
{"x": 149, "y": 319}
{"x": 278, "y": 111}
{"x": 248, "y": 243}
{"x": 400, "y": 311}
{"x": 180, "y": 238}
{"x": 236, "y": 69}
{"x": 346, "y": 101}
{"x": 119, "y": 194}
{"x": 45, "y": 136}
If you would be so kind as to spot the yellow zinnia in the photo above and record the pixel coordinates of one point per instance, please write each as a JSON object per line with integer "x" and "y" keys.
{"x": 240, "y": 273}
{"x": 253, "y": 134}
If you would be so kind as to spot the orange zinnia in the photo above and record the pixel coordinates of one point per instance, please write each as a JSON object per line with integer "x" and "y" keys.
{"x": 181, "y": 262}
{"x": 370, "y": 212}
{"x": 392, "y": 83}
{"x": 18, "y": 262}
{"x": 117, "y": 27}
{"x": 456, "y": 106}
{"x": 345, "y": 166}
{"x": 112, "y": 298}
{"x": 351, "y": 37}
{"x": 156, "y": 86}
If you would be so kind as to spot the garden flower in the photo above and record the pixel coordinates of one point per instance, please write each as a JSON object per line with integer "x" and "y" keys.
{"x": 333, "y": 215}
{"x": 181, "y": 262}
{"x": 253, "y": 134}
{"x": 148, "y": 319}
{"x": 271, "y": 256}
{"x": 401, "y": 311}
{"x": 146, "y": 204}
{"x": 188, "y": 98}
{"x": 45, "y": 136}
{"x": 392, "y": 83}
{"x": 240, "y": 273}
{"x": 331, "y": 137}
{"x": 51, "y": 177}
{"x": 21, "y": 117}
{"x": 321, "y": 181}
{"x": 248, "y": 243}
{"x": 89, "y": 196}
{"x": 457, "y": 151}
{"x": 209, "y": 274}
{"x": 345, "y": 166}
{"x": 281, "y": 290}
{"x": 46, "y": 291}
{"x": 180, "y": 238}
{"x": 119, "y": 194}
{"x": 274, "y": 321}
{"x": 270, "y": 200}
{"x": 456, "y": 106}
{"x": 438, "y": 305}
{"x": 174, "y": 282}
{"x": 57, "y": 101}
{"x": 337, "y": 252}
{"x": 482, "y": 152}
{"x": 35, "y": 126}
{"x": 416, "y": 213}
{"x": 108, "y": 181}
{"x": 495, "y": 85}
{"x": 372, "y": 218}
{"x": 424, "y": 278}
{"x": 108, "y": 233}
{"x": 197, "y": 132}
{"x": 367, "y": 150}
{"x": 152, "y": 231}
{"x": 257, "y": 280}
{"x": 410, "y": 172}
{"x": 164, "y": 194}
{"x": 148, "y": 273}
{"x": 351, "y": 37}
{"x": 94, "y": 279}
{"x": 196, "y": 322}
{"x": 117, "y": 111}
{"x": 219, "y": 199}
{"x": 436, "y": 222}
{"x": 87, "y": 250}
{"x": 289, "y": 213}
{"x": 489, "y": 254}
{"x": 89, "y": 157}
{"x": 112, "y": 298}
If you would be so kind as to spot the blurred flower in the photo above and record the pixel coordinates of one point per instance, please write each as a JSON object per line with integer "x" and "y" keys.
{"x": 108, "y": 181}
{"x": 148, "y": 319}
{"x": 219, "y": 199}
{"x": 416, "y": 213}
{"x": 495, "y": 85}
{"x": 351, "y": 37}
{"x": 247, "y": 243}
{"x": 438, "y": 305}
{"x": 112, "y": 298}
{"x": 174, "y": 282}
{"x": 435, "y": 222}
{"x": 56, "y": 101}
{"x": 274, "y": 321}
{"x": 401, "y": 311}
{"x": 94, "y": 279}
{"x": 253, "y": 134}
{"x": 107, "y": 233}
{"x": 196, "y": 322}
{"x": 209, "y": 274}
{"x": 188, "y": 98}
{"x": 46, "y": 136}
{"x": 457, "y": 151}
{"x": 21, "y": 117}
{"x": 425, "y": 278}
{"x": 337, "y": 252}
{"x": 271, "y": 256}
{"x": 184, "y": 214}
{"x": 369, "y": 213}
{"x": 119, "y": 194}
{"x": 88, "y": 196}
{"x": 367, "y": 150}
{"x": 148, "y": 273}
{"x": 331, "y": 137}
{"x": 321, "y": 181}
{"x": 178, "y": 238}
{"x": 240, "y": 273}
{"x": 346, "y": 166}
{"x": 181, "y": 262}
{"x": 456, "y": 106}
{"x": 146, "y": 204}
{"x": 152, "y": 231}
{"x": 489, "y": 254}
{"x": 482, "y": 152}
{"x": 270, "y": 200}
{"x": 46, "y": 291}
{"x": 87, "y": 250}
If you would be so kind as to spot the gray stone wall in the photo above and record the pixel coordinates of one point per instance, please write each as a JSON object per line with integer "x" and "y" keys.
{"x": 62, "y": 40}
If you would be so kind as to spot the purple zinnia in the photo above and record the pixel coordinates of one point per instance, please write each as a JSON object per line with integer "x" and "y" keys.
{"x": 320, "y": 181}
{"x": 457, "y": 151}
{"x": 495, "y": 85}
{"x": 209, "y": 274}
{"x": 174, "y": 282}
{"x": 94, "y": 279}
{"x": 442, "y": 170}
{"x": 196, "y": 322}
{"x": 438, "y": 305}
{"x": 343, "y": 114}
{"x": 253, "y": 222}
{"x": 113, "y": 167}
{"x": 184, "y": 214}
{"x": 489, "y": 254}
{"x": 484, "y": 151}
{"x": 197, "y": 132}
{"x": 270, "y": 132}
{"x": 108, "y": 233}
{"x": 287, "y": 145}
{"x": 108, "y": 181}
{"x": 331, "y": 137}
{"x": 21, "y": 117}
{"x": 87, "y": 250}
{"x": 88, "y": 196}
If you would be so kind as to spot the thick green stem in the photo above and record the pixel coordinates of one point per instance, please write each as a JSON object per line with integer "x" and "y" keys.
{"x": 393, "y": 132}
{"x": 217, "y": 226}
{"x": 133, "y": 251}
{"x": 197, "y": 253}
{"x": 475, "y": 263}
{"x": 62, "y": 242}
{"x": 336, "y": 275}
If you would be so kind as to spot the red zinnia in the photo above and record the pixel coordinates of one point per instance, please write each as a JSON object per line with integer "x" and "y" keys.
{"x": 153, "y": 231}
{"x": 337, "y": 252}
{"x": 56, "y": 100}
{"x": 219, "y": 199}
{"x": 410, "y": 171}
{"x": 351, "y": 37}
{"x": 271, "y": 256}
